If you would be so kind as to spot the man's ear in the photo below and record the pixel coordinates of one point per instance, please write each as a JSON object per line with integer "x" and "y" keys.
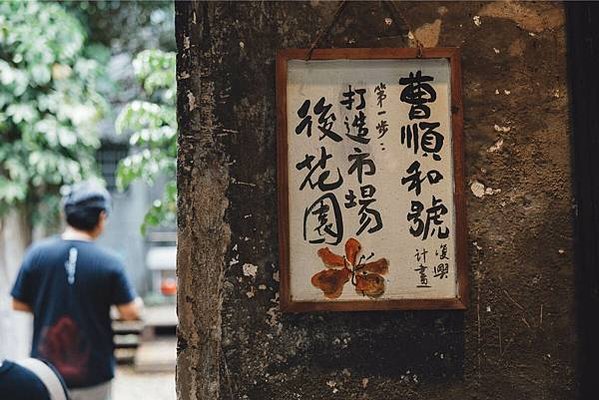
{"x": 102, "y": 217}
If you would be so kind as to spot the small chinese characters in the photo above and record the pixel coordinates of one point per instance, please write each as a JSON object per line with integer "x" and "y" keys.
{"x": 437, "y": 268}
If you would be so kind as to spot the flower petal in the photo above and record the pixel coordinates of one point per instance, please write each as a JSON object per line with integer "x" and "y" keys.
{"x": 380, "y": 266}
{"x": 371, "y": 285}
{"x": 330, "y": 259}
{"x": 352, "y": 248}
{"x": 331, "y": 281}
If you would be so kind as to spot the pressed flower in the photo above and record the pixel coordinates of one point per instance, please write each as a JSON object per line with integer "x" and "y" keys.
{"x": 364, "y": 276}
{"x": 331, "y": 281}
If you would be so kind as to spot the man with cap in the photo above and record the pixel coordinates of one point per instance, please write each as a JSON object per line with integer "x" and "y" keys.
{"x": 69, "y": 284}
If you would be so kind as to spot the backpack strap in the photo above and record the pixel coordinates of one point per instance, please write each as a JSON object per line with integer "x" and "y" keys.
{"x": 48, "y": 377}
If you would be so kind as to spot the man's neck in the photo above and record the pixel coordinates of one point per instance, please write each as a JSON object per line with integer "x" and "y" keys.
{"x": 71, "y": 233}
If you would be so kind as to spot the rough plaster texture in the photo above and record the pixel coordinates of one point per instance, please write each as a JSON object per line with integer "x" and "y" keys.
{"x": 516, "y": 340}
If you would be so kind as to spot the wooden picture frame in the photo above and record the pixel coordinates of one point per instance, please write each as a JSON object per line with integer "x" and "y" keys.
{"x": 289, "y": 300}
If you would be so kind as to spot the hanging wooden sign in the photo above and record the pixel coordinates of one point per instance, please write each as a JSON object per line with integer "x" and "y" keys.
{"x": 370, "y": 180}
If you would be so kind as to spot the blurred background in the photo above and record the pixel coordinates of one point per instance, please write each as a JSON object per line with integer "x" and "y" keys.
{"x": 87, "y": 89}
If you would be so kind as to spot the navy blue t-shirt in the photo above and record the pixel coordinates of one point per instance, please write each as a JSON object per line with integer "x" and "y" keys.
{"x": 70, "y": 285}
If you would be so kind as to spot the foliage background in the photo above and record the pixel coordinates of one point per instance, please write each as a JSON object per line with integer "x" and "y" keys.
{"x": 65, "y": 70}
{"x": 49, "y": 105}
{"x": 152, "y": 125}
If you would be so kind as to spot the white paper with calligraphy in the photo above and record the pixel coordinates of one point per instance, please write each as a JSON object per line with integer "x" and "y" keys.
{"x": 371, "y": 207}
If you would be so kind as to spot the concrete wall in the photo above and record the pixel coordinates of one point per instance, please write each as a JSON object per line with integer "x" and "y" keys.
{"x": 517, "y": 339}
{"x": 122, "y": 234}
{"x": 16, "y": 328}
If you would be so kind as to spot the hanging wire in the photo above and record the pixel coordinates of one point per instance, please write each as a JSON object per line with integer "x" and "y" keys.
{"x": 395, "y": 13}
{"x": 327, "y": 30}
{"x": 398, "y": 16}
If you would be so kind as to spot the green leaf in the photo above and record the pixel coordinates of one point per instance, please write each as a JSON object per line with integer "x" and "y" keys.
{"x": 139, "y": 115}
{"x": 12, "y": 192}
{"x": 16, "y": 170}
{"x": 41, "y": 74}
{"x": 22, "y": 113}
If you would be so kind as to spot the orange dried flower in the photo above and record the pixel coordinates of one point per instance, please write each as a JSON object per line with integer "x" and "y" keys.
{"x": 365, "y": 276}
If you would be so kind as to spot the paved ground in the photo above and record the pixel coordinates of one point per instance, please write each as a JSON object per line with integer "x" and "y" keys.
{"x": 130, "y": 385}
{"x": 155, "y": 355}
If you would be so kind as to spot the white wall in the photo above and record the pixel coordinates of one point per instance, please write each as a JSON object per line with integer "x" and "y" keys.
{"x": 15, "y": 327}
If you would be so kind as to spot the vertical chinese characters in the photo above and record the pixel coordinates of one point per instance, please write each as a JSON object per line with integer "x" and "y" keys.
{"x": 322, "y": 220}
{"x": 362, "y": 165}
{"x": 329, "y": 174}
{"x": 423, "y": 137}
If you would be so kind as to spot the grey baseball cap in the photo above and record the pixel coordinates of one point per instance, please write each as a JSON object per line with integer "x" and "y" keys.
{"x": 88, "y": 194}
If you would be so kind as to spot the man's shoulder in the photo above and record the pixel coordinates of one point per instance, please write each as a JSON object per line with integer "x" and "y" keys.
{"x": 104, "y": 256}
{"x": 100, "y": 253}
{"x": 43, "y": 247}
{"x": 48, "y": 243}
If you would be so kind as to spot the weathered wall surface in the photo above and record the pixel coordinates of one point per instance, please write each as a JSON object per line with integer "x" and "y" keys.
{"x": 15, "y": 327}
{"x": 516, "y": 340}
